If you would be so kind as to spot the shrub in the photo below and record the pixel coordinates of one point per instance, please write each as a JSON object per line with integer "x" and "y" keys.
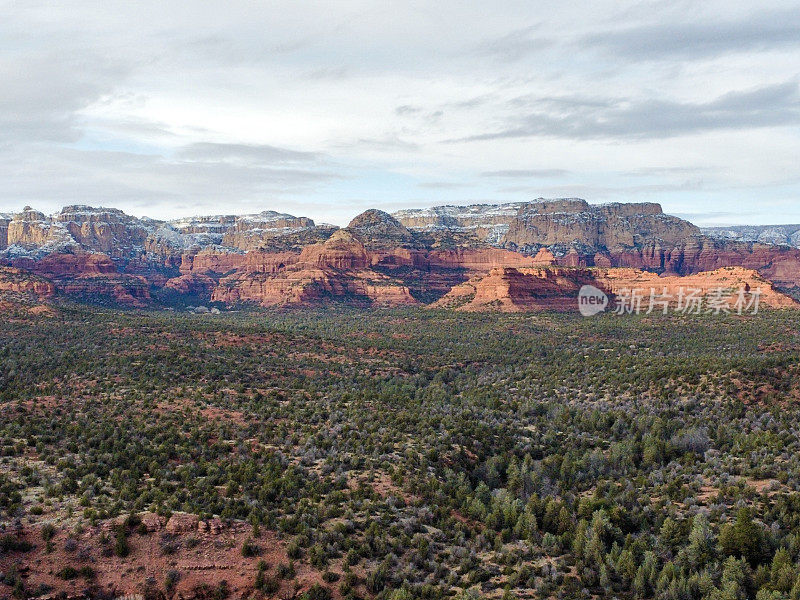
{"x": 317, "y": 592}
{"x": 171, "y": 580}
{"x": 250, "y": 549}
{"x": 121, "y": 547}
{"x": 48, "y": 531}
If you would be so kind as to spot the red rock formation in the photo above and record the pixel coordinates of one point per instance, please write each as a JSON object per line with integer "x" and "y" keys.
{"x": 779, "y": 264}
{"x": 376, "y": 259}
{"x": 400, "y": 257}
{"x": 337, "y": 269}
{"x": 182, "y": 523}
{"x": 193, "y": 284}
{"x": 211, "y": 261}
{"x": 510, "y": 289}
{"x": 529, "y": 289}
{"x": 308, "y": 285}
{"x": 342, "y": 251}
{"x": 89, "y": 276}
{"x": 481, "y": 259}
{"x": 544, "y": 257}
{"x": 69, "y": 265}
{"x": 726, "y": 282}
{"x": 23, "y": 282}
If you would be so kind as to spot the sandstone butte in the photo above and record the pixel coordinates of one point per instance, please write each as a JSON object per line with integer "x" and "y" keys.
{"x": 21, "y": 291}
{"x": 520, "y": 256}
{"x": 93, "y": 276}
{"x": 19, "y": 281}
{"x": 336, "y": 268}
{"x": 510, "y": 289}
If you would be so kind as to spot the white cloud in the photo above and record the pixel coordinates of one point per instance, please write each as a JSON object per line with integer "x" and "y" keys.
{"x": 324, "y": 108}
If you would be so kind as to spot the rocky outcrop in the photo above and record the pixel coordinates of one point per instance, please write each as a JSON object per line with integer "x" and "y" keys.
{"x": 576, "y": 223}
{"x": 60, "y": 266}
{"x": 556, "y": 288}
{"x": 31, "y": 229}
{"x": 377, "y": 229}
{"x": 334, "y": 270}
{"x": 182, "y": 523}
{"x": 480, "y": 260}
{"x": 76, "y": 228}
{"x": 415, "y": 256}
{"x": 252, "y": 232}
{"x": 106, "y": 230}
{"x": 242, "y": 232}
{"x": 18, "y": 281}
{"x": 724, "y": 283}
{"x": 487, "y": 223}
{"x": 779, "y": 264}
{"x": 212, "y": 260}
{"x": 509, "y": 289}
{"x": 311, "y": 286}
{"x": 213, "y": 526}
{"x": 151, "y": 521}
{"x": 212, "y": 224}
{"x": 563, "y": 223}
{"x": 5, "y": 219}
{"x": 89, "y": 277}
{"x": 342, "y": 251}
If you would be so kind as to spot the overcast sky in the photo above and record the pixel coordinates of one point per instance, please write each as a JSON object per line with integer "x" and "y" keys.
{"x": 324, "y": 109}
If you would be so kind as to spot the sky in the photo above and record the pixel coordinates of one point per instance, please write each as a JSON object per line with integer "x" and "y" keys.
{"x": 324, "y": 109}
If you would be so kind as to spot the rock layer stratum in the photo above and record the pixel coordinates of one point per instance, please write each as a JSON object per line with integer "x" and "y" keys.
{"x": 520, "y": 256}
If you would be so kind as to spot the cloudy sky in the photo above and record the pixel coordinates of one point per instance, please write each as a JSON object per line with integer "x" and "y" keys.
{"x": 324, "y": 109}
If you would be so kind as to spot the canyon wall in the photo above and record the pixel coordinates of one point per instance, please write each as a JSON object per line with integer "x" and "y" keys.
{"x": 414, "y": 256}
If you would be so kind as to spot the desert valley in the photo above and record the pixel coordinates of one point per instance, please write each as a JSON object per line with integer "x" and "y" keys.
{"x": 408, "y": 407}
{"x": 358, "y": 300}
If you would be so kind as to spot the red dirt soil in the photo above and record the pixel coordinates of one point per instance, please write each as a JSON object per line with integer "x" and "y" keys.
{"x": 214, "y": 558}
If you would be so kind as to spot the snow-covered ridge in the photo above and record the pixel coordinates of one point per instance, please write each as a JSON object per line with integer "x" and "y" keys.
{"x": 222, "y": 222}
{"x": 487, "y": 212}
{"x": 472, "y": 211}
{"x": 782, "y": 235}
{"x": 111, "y": 231}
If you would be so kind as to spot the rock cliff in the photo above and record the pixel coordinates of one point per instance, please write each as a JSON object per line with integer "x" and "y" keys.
{"x": 510, "y": 289}
{"x": 19, "y": 281}
{"x": 5, "y": 219}
{"x": 784, "y": 235}
{"x": 564, "y": 223}
{"x": 724, "y": 282}
{"x": 334, "y": 270}
{"x": 413, "y": 256}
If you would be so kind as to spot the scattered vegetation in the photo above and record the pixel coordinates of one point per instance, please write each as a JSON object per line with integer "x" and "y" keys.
{"x": 421, "y": 454}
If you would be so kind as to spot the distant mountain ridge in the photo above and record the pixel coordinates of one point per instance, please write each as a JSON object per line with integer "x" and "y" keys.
{"x": 412, "y": 256}
{"x": 560, "y": 224}
{"x": 784, "y": 235}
